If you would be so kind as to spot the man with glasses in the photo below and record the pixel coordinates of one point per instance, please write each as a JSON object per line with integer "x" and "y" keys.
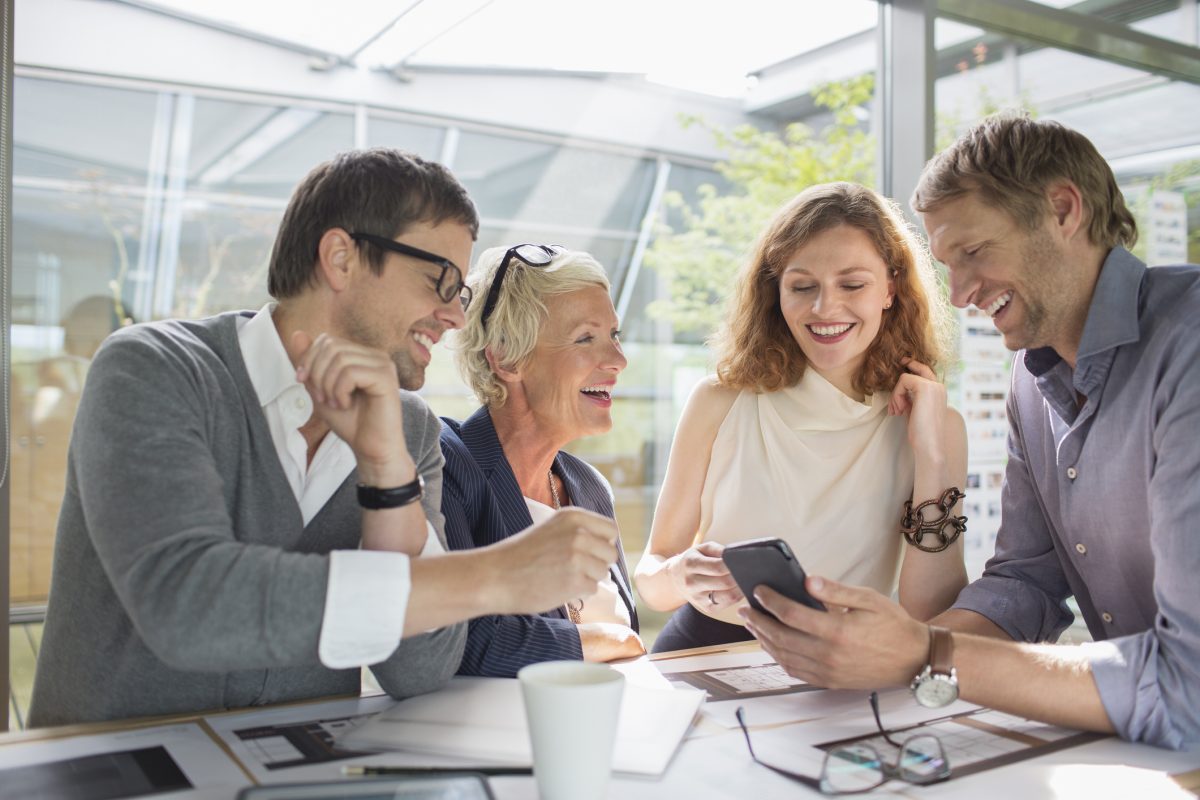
{"x": 1101, "y": 498}
{"x": 248, "y": 494}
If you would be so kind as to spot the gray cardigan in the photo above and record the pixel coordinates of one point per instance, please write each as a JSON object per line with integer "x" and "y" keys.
{"x": 184, "y": 578}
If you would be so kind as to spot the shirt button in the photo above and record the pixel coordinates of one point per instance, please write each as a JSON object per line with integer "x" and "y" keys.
{"x": 1081, "y": 549}
{"x": 300, "y": 403}
{"x": 1107, "y": 617}
{"x": 1071, "y": 473}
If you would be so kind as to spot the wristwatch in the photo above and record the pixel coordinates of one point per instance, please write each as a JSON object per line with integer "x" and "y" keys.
{"x": 373, "y": 497}
{"x": 937, "y": 684}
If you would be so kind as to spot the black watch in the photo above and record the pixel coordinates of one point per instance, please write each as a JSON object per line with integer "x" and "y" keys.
{"x": 373, "y": 497}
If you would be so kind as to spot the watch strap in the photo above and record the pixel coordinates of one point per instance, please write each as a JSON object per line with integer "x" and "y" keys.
{"x": 941, "y": 651}
{"x": 374, "y": 498}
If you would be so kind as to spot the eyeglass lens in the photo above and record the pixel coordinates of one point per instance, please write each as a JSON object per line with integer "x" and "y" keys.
{"x": 859, "y": 767}
{"x": 536, "y": 255}
{"x": 451, "y": 285}
{"x": 854, "y": 768}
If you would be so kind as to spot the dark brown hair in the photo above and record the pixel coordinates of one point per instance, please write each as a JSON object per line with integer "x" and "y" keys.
{"x": 380, "y": 191}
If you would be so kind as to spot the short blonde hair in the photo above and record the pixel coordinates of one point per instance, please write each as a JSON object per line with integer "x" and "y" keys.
{"x": 755, "y": 347}
{"x": 520, "y": 312}
{"x": 1011, "y": 160}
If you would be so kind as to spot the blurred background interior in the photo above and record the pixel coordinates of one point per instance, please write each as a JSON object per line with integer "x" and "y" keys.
{"x": 155, "y": 143}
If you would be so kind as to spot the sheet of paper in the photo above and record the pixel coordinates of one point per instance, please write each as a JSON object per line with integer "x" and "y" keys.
{"x": 740, "y": 657}
{"x": 167, "y": 761}
{"x": 643, "y": 673}
{"x": 484, "y": 718}
{"x": 749, "y": 677}
{"x": 740, "y": 683}
{"x": 296, "y": 743}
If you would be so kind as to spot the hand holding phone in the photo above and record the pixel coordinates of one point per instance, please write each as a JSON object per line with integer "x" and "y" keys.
{"x": 769, "y": 562}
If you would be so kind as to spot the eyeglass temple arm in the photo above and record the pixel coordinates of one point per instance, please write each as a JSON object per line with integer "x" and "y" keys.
{"x": 879, "y": 723}
{"x": 807, "y": 780}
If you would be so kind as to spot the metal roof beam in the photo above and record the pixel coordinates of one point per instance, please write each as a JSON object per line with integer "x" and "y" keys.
{"x": 1078, "y": 33}
{"x": 322, "y": 59}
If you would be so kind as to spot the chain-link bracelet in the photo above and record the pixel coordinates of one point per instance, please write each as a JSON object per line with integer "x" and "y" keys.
{"x": 914, "y": 526}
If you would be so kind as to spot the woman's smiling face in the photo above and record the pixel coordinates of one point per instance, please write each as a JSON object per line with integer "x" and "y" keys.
{"x": 569, "y": 377}
{"x": 833, "y": 293}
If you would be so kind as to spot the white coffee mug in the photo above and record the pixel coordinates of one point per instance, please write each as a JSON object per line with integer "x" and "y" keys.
{"x": 572, "y": 709}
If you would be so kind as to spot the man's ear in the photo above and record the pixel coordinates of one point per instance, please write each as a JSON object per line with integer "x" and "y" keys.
{"x": 1066, "y": 204}
{"x": 336, "y": 256}
{"x": 504, "y": 373}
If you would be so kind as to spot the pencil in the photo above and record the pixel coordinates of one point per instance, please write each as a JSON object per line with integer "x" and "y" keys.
{"x": 359, "y": 771}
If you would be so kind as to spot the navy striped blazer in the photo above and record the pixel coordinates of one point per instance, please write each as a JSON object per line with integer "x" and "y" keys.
{"x": 483, "y": 504}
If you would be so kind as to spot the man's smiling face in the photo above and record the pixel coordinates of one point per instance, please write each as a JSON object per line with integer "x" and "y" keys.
{"x": 1016, "y": 276}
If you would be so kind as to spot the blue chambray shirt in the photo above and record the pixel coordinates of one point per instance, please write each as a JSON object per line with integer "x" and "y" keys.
{"x": 1103, "y": 501}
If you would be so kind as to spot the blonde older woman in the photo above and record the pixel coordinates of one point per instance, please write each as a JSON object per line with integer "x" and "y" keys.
{"x": 542, "y": 352}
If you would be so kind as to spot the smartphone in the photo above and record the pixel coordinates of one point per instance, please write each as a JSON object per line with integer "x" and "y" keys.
{"x": 768, "y": 561}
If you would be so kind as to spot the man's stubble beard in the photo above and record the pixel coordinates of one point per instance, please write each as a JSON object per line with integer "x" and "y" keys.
{"x": 1042, "y": 265}
{"x": 409, "y": 374}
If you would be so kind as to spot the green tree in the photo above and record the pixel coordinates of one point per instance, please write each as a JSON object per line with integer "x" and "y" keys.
{"x": 701, "y": 247}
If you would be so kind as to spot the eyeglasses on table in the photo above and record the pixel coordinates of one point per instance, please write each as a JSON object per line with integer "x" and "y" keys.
{"x": 856, "y": 766}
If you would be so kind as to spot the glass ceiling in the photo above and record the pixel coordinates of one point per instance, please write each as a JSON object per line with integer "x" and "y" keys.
{"x": 691, "y": 44}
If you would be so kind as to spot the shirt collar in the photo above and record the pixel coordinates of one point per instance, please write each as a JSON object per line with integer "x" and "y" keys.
{"x": 1112, "y": 318}
{"x": 271, "y": 371}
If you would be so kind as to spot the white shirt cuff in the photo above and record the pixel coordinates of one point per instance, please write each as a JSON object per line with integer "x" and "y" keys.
{"x": 365, "y": 603}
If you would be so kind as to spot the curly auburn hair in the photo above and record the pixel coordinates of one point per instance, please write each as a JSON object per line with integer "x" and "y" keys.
{"x": 756, "y": 349}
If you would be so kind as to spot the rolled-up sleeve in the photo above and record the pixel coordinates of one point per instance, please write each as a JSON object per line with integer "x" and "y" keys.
{"x": 1150, "y": 682}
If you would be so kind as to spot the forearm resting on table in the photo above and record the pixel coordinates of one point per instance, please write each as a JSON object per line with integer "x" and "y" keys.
{"x": 1046, "y": 682}
{"x": 608, "y": 641}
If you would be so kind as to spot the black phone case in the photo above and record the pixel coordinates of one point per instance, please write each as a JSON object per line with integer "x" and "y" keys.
{"x": 768, "y": 561}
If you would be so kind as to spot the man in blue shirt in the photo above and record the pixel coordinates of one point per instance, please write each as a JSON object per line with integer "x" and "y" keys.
{"x": 1101, "y": 495}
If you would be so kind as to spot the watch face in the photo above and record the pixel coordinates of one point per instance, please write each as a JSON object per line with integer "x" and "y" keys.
{"x": 936, "y": 691}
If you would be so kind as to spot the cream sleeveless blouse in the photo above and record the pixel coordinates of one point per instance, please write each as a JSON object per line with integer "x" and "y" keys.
{"x": 823, "y": 472}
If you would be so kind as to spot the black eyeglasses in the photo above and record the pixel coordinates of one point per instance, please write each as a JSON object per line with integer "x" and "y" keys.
{"x": 532, "y": 255}
{"x": 449, "y": 284}
{"x": 855, "y": 766}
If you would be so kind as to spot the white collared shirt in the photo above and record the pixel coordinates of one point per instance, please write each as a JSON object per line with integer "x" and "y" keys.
{"x": 367, "y": 595}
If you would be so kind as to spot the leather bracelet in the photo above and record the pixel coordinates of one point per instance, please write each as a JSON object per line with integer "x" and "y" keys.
{"x": 914, "y": 526}
{"x": 374, "y": 498}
